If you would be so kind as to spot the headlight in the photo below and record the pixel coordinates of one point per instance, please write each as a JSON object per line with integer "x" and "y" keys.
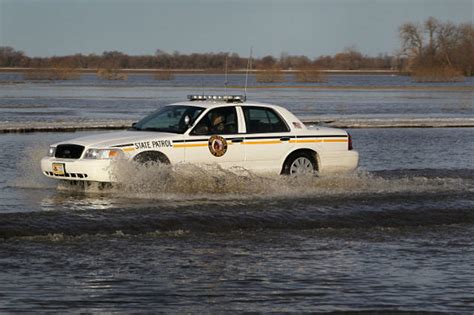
{"x": 51, "y": 151}
{"x": 100, "y": 154}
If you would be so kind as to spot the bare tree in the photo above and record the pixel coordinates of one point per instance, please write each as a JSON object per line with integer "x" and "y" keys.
{"x": 267, "y": 62}
{"x": 448, "y": 39}
{"x": 465, "y": 53}
{"x": 412, "y": 39}
{"x": 448, "y": 53}
{"x": 431, "y": 27}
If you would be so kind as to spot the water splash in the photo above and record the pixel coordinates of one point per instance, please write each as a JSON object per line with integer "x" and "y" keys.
{"x": 164, "y": 198}
{"x": 29, "y": 170}
{"x": 212, "y": 182}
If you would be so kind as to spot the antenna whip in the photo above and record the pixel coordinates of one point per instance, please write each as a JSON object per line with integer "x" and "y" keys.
{"x": 225, "y": 80}
{"x": 249, "y": 65}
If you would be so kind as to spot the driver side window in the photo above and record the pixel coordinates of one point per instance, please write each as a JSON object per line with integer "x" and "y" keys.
{"x": 220, "y": 121}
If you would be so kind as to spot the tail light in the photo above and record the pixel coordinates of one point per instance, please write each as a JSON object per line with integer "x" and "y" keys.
{"x": 349, "y": 147}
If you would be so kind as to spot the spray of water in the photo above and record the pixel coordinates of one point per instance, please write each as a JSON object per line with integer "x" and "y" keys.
{"x": 214, "y": 182}
{"x": 28, "y": 168}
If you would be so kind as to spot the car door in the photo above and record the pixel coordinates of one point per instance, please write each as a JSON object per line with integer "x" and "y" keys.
{"x": 266, "y": 139}
{"x": 215, "y": 138}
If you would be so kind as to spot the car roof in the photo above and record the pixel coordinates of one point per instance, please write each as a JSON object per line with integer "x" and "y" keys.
{"x": 212, "y": 104}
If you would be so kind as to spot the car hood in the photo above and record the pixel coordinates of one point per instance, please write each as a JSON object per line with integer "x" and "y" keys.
{"x": 121, "y": 138}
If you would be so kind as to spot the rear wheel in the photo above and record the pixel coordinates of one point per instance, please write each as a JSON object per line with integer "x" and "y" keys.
{"x": 300, "y": 163}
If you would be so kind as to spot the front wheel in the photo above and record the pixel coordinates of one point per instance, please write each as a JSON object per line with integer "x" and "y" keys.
{"x": 150, "y": 157}
{"x": 300, "y": 164}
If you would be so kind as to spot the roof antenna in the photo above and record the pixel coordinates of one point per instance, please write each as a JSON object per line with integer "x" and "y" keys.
{"x": 202, "y": 85}
{"x": 225, "y": 80}
{"x": 249, "y": 65}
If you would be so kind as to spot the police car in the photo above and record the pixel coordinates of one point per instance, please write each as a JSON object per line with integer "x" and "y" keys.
{"x": 207, "y": 129}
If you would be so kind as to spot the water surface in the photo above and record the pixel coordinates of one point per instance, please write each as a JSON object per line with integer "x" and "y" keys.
{"x": 394, "y": 236}
{"x": 397, "y": 235}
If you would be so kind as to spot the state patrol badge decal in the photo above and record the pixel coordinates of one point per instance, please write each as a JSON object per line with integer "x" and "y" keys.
{"x": 217, "y": 146}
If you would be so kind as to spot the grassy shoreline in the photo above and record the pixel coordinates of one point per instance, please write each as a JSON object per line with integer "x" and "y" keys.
{"x": 358, "y": 87}
{"x": 238, "y": 88}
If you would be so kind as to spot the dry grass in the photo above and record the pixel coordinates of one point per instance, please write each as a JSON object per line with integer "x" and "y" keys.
{"x": 361, "y": 88}
{"x": 437, "y": 74}
{"x": 163, "y": 75}
{"x": 270, "y": 76}
{"x": 111, "y": 74}
{"x": 56, "y": 73}
{"x": 310, "y": 76}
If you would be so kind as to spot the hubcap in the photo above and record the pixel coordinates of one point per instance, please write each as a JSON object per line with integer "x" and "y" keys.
{"x": 301, "y": 165}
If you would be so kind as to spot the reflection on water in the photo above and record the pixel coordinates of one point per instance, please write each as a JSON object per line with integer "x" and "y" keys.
{"x": 76, "y": 202}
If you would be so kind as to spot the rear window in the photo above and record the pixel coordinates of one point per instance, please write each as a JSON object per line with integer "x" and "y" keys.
{"x": 263, "y": 120}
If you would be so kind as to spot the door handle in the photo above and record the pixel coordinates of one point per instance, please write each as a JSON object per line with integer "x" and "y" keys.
{"x": 285, "y": 139}
{"x": 237, "y": 140}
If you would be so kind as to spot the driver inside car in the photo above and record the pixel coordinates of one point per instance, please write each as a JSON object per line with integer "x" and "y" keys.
{"x": 213, "y": 124}
{"x": 217, "y": 123}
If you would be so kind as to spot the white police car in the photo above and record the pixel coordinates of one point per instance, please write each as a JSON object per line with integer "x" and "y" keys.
{"x": 227, "y": 130}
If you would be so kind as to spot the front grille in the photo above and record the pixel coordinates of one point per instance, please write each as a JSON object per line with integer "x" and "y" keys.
{"x": 73, "y": 175}
{"x": 69, "y": 151}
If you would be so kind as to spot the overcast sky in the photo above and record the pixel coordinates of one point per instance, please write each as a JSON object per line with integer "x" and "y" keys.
{"x": 309, "y": 27}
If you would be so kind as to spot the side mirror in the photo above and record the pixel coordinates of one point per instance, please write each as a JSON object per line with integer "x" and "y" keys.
{"x": 133, "y": 127}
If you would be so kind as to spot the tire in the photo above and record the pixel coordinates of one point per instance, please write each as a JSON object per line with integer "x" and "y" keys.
{"x": 151, "y": 157}
{"x": 300, "y": 163}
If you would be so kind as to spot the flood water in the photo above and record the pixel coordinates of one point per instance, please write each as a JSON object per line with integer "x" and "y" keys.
{"x": 394, "y": 236}
{"x": 90, "y": 99}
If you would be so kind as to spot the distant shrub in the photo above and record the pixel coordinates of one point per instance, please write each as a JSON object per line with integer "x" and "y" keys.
{"x": 437, "y": 74}
{"x": 111, "y": 74}
{"x": 270, "y": 75}
{"x": 163, "y": 75}
{"x": 310, "y": 75}
{"x": 56, "y": 73}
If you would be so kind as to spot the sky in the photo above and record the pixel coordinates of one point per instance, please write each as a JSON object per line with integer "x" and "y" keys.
{"x": 298, "y": 27}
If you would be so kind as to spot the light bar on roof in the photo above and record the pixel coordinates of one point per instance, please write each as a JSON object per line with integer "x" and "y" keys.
{"x": 224, "y": 98}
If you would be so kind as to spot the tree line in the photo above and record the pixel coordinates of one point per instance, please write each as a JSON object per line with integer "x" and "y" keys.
{"x": 438, "y": 45}
{"x": 349, "y": 59}
{"x": 432, "y": 44}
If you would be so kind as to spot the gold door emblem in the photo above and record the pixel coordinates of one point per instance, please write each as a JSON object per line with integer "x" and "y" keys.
{"x": 217, "y": 145}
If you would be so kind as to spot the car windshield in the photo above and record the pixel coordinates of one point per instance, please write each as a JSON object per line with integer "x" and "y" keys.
{"x": 169, "y": 119}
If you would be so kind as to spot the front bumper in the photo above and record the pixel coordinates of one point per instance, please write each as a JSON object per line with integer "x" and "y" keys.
{"x": 82, "y": 170}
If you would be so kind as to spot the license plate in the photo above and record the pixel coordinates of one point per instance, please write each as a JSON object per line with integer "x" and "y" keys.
{"x": 59, "y": 169}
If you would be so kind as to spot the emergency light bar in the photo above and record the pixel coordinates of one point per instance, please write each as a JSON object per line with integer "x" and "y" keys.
{"x": 225, "y": 98}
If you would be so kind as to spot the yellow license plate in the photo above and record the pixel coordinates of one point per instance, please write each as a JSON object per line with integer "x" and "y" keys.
{"x": 59, "y": 169}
